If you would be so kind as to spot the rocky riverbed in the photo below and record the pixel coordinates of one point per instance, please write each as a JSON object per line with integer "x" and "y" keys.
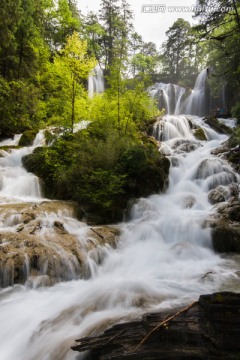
{"x": 43, "y": 243}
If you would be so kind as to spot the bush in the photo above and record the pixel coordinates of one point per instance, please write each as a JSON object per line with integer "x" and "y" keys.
{"x": 100, "y": 168}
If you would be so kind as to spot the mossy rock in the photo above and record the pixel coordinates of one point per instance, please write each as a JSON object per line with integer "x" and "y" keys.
{"x": 200, "y": 134}
{"x": 27, "y": 137}
{"x": 217, "y": 126}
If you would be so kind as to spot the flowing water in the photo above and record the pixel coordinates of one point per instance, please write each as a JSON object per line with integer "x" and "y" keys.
{"x": 173, "y": 98}
{"x": 164, "y": 257}
{"x": 95, "y": 82}
{"x": 169, "y": 96}
{"x": 196, "y": 103}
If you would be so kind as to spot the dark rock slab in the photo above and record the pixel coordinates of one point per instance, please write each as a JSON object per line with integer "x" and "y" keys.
{"x": 217, "y": 126}
{"x": 207, "y": 329}
{"x": 225, "y": 226}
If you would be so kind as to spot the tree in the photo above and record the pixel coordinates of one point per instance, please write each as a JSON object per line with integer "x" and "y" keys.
{"x": 94, "y": 33}
{"x": 175, "y": 47}
{"x": 219, "y": 29}
{"x": 67, "y": 21}
{"x": 116, "y": 21}
{"x": 10, "y": 17}
{"x": 64, "y": 81}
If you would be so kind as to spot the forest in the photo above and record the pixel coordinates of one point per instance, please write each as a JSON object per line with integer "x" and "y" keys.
{"x": 48, "y": 50}
{"x": 119, "y": 183}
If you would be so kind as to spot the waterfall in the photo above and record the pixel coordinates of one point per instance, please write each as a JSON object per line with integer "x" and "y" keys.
{"x": 169, "y": 96}
{"x": 11, "y": 142}
{"x": 16, "y": 184}
{"x": 163, "y": 259}
{"x": 95, "y": 82}
{"x": 196, "y": 103}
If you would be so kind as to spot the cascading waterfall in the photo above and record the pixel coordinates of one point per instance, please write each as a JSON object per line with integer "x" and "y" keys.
{"x": 196, "y": 103}
{"x": 172, "y": 98}
{"x": 95, "y": 82}
{"x": 164, "y": 257}
{"x": 169, "y": 96}
{"x": 16, "y": 184}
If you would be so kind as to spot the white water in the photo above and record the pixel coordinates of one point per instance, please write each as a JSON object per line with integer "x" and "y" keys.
{"x": 196, "y": 103}
{"x": 164, "y": 258}
{"x": 169, "y": 96}
{"x": 16, "y": 184}
{"x": 95, "y": 82}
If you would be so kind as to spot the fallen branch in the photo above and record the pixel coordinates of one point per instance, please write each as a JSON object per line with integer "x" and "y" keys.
{"x": 163, "y": 323}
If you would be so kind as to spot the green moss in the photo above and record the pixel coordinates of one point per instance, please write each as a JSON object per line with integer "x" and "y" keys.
{"x": 9, "y": 147}
{"x": 200, "y": 134}
{"x": 28, "y": 137}
{"x": 219, "y": 297}
{"x": 236, "y": 112}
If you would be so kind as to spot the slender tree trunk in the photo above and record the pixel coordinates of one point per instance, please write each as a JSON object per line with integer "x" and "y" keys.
{"x": 20, "y": 56}
{"x": 73, "y": 102}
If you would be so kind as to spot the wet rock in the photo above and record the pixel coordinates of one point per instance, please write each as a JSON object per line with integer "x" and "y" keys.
{"x": 217, "y": 126}
{"x": 207, "y": 329}
{"x": 200, "y": 134}
{"x": 230, "y": 210}
{"x": 59, "y": 227}
{"x": 186, "y": 148}
{"x": 230, "y": 151}
{"x": 40, "y": 243}
{"x": 174, "y": 161}
{"x": 225, "y": 226}
{"x": 226, "y": 237}
{"x": 216, "y": 196}
{"x": 222, "y": 193}
{"x": 189, "y": 202}
{"x": 27, "y": 137}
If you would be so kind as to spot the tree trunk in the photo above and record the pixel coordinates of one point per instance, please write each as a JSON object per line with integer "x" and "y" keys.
{"x": 73, "y": 102}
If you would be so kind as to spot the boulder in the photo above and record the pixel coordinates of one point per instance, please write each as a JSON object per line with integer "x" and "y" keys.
{"x": 225, "y": 224}
{"x": 200, "y": 134}
{"x": 27, "y": 138}
{"x": 222, "y": 193}
{"x": 230, "y": 150}
{"x": 217, "y": 126}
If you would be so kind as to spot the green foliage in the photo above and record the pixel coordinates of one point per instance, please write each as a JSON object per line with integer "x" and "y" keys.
{"x": 219, "y": 32}
{"x": 19, "y": 106}
{"x": 236, "y": 112}
{"x": 99, "y": 167}
{"x": 63, "y": 81}
{"x": 68, "y": 21}
{"x": 129, "y": 111}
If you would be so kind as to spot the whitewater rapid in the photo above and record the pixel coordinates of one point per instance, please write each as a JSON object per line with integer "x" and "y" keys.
{"x": 164, "y": 258}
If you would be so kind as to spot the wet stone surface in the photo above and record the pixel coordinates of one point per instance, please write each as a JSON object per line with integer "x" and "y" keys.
{"x": 206, "y": 329}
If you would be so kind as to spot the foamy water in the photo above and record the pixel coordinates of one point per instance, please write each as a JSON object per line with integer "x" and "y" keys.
{"x": 164, "y": 258}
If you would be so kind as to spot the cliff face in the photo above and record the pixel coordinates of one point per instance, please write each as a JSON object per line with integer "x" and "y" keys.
{"x": 207, "y": 329}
